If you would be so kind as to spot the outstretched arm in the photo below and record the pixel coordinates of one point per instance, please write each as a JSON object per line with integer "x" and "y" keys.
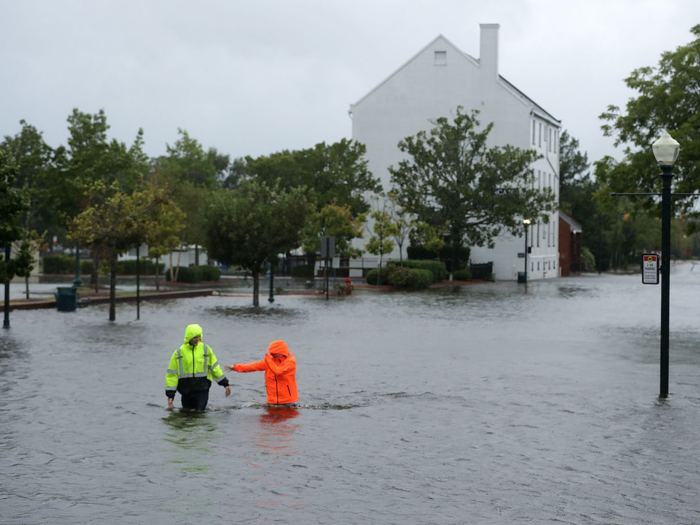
{"x": 257, "y": 366}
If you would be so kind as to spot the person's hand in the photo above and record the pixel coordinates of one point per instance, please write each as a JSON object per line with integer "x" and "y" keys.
{"x": 229, "y": 368}
{"x": 170, "y": 403}
{"x": 228, "y": 391}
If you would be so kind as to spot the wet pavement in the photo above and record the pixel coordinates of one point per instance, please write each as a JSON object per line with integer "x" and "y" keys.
{"x": 476, "y": 404}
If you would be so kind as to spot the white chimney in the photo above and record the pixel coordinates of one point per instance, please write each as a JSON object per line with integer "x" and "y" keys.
{"x": 488, "y": 54}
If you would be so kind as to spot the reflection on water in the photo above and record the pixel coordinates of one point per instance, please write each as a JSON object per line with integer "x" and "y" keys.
{"x": 276, "y": 433}
{"x": 191, "y": 433}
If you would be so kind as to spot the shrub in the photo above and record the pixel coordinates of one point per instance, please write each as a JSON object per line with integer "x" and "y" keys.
{"x": 303, "y": 270}
{"x": 210, "y": 273}
{"x": 146, "y": 266}
{"x": 438, "y": 268}
{"x": 187, "y": 274}
{"x": 387, "y": 271}
{"x": 59, "y": 264}
{"x": 411, "y": 278}
{"x": 462, "y": 275}
{"x": 86, "y": 267}
{"x": 421, "y": 253}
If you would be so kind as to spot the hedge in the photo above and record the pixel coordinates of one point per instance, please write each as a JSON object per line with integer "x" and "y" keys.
{"x": 420, "y": 253}
{"x": 373, "y": 275}
{"x": 462, "y": 275}
{"x": 438, "y": 268}
{"x": 411, "y": 278}
{"x": 210, "y": 273}
{"x": 66, "y": 264}
{"x": 303, "y": 270}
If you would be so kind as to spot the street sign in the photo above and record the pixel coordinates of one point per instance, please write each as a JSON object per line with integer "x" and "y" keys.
{"x": 650, "y": 268}
{"x": 327, "y": 247}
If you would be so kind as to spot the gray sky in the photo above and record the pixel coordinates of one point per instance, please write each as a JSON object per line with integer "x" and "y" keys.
{"x": 259, "y": 76}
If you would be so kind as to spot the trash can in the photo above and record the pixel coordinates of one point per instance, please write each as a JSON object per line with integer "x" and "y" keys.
{"x": 66, "y": 299}
{"x": 522, "y": 278}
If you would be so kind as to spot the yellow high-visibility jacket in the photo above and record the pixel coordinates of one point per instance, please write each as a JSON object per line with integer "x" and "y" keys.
{"x": 192, "y": 368}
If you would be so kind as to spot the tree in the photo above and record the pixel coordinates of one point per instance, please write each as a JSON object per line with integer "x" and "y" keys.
{"x": 403, "y": 222}
{"x": 13, "y": 204}
{"x": 451, "y": 175}
{"x": 333, "y": 174}
{"x": 668, "y": 99}
{"x": 334, "y": 221}
{"x": 115, "y": 221}
{"x": 34, "y": 158}
{"x": 383, "y": 229}
{"x": 252, "y": 225}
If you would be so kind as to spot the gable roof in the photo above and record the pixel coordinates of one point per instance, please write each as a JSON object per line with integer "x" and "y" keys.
{"x": 575, "y": 226}
{"x": 543, "y": 113}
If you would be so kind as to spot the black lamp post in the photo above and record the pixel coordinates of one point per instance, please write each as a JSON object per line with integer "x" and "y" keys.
{"x": 77, "y": 282}
{"x": 526, "y": 223}
{"x": 666, "y": 152}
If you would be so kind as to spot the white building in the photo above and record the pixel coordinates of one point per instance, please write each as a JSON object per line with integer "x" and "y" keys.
{"x": 431, "y": 85}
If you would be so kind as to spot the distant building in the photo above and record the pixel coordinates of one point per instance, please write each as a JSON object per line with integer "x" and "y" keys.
{"x": 431, "y": 85}
{"x": 570, "y": 239}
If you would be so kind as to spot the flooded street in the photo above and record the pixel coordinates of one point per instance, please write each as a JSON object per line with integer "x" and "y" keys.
{"x": 480, "y": 404}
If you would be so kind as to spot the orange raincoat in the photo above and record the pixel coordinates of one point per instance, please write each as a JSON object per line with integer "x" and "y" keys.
{"x": 280, "y": 374}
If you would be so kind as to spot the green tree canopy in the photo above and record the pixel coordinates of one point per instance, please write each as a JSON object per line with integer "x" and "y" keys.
{"x": 451, "y": 175}
{"x": 668, "y": 98}
{"x": 13, "y": 204}
{"x": 334, "y": 174}
{"x": 252, "y": 225}
{"x": 334, "y": 221}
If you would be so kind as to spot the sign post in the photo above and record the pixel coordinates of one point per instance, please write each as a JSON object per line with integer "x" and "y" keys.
{"x": 327, "y": 253}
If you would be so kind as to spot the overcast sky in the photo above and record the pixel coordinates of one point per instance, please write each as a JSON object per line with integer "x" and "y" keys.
{"x": 259, "y": 76}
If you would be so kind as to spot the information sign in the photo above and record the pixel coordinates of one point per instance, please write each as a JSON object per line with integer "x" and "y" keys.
{"x": 650, "y": 268}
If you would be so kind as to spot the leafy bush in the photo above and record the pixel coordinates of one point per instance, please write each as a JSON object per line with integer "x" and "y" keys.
{"x": 210, "y": 273}
{"x": 146, "y": 266}
{"x": 59, "y": 264}
{"x": 187, "y": 274}
{"x": 373, "y": 275}
{"x": 462, "y": 275}
{"x": 86, "y": 267}
{"x": 303, "y": 270}
{"x": 438, "y": 268}
{"x": 411, "y": 278}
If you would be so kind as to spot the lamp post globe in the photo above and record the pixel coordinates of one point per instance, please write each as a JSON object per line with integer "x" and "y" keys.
{"x": 666, "y": 151}
{"x": 526, "y": 224}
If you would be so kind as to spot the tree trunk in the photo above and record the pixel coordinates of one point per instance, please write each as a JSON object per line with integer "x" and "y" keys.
{"x": 256, "y": 288}
{"x": 113, "y": 284}
{"x": 171, "y": 266}
{"x": 26, "y": 284}
{"x": 196, "y": 254}
{"x": 157, "y": 266}
{"x": 177, "y": 270}
{"x": 95, "y": 270}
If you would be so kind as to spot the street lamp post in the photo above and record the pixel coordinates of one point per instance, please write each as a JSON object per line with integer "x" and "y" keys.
{"x": 526, "y": 223}
{"x": 666, "y": 152}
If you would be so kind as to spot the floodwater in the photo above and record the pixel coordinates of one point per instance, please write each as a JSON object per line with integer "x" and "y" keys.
{"x": 481, "y": 404}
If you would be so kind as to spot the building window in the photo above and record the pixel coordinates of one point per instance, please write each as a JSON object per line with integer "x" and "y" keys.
{"x": 538, "y": 234}
{"x": 556, "y": 139}
{"x": 538, "y": 266}
{"x": 539, "y": 180}
{"x": 533, "y": 131}
{"x": 549, "y": 142}
{"x": 440, "y": 58}
{"x": 540, "y": 135}
{"x": 532, "y": 266}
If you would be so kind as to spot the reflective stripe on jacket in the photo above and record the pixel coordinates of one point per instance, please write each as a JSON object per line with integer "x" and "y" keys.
{"x": 192, "y": 367}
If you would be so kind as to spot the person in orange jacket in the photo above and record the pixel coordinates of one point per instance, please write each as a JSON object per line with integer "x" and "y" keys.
{"x": 280, "y": 369}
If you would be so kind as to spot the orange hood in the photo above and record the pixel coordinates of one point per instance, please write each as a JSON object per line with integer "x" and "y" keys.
{"x": 278, "y": 347}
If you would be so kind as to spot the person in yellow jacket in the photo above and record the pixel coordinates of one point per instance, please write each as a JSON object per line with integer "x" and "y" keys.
{"x": 280, "y": 369}
{"x": 191, "y": 369}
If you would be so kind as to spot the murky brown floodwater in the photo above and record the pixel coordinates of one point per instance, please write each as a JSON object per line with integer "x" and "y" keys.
{"x": 475, "y": 405}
